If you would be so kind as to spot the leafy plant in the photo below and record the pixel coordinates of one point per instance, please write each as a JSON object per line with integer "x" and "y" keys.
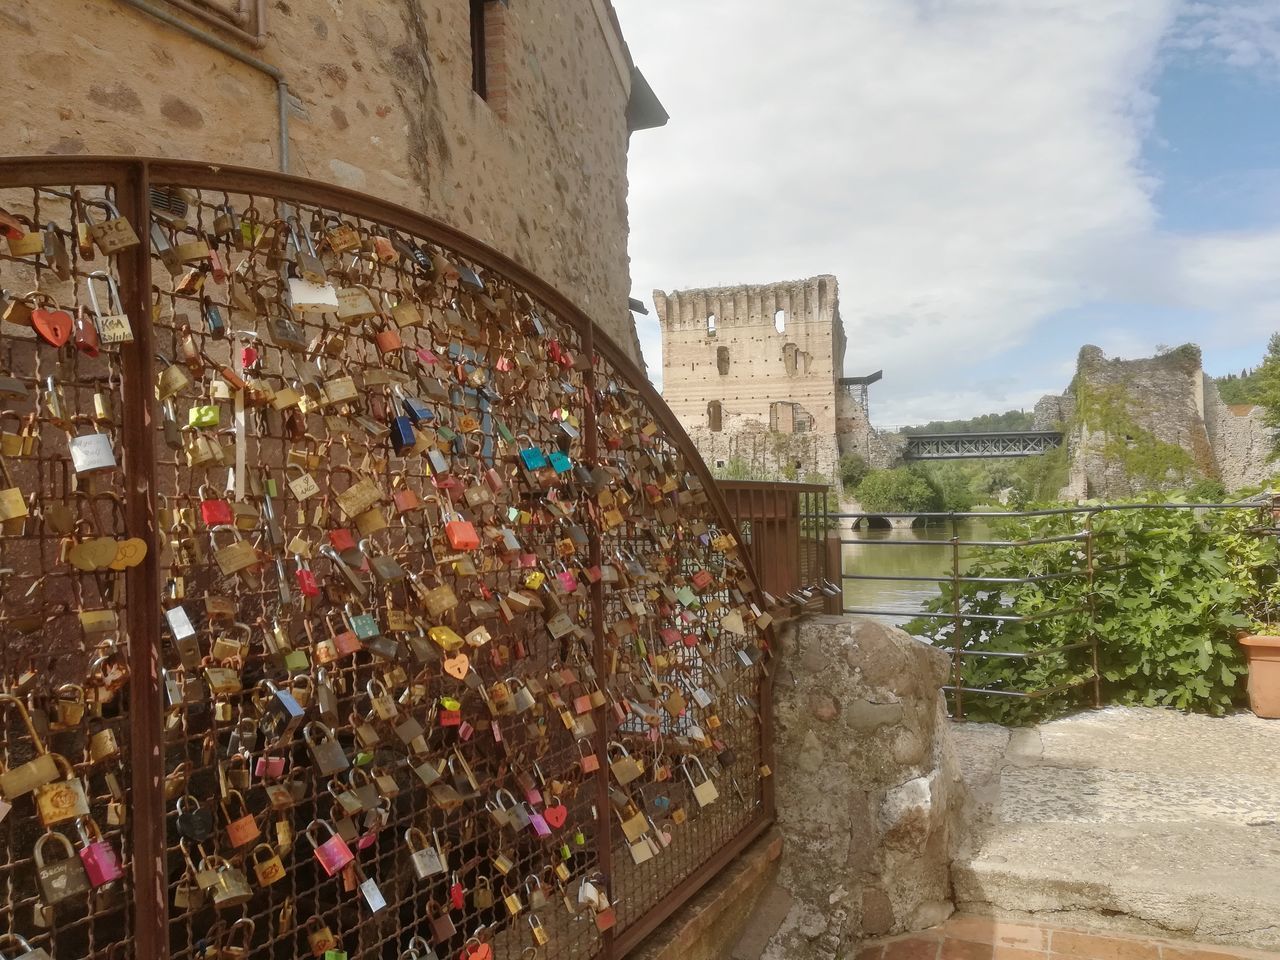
{"x": 901, "y": 490}
{"x": 1172, "y": 587}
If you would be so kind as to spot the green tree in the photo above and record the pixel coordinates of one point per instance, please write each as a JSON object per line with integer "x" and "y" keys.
{"x": 852, "y": 468}
{"x": 901, "y": 490}
{"x": 1269, "y": 389}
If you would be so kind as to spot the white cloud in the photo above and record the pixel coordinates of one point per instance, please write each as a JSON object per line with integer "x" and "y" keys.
{"x": 965, "y": 167}
{"x": 1242, "y": 33}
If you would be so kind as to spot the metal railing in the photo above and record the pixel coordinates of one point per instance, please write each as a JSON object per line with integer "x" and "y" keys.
{"x": 784, "y": 527}
{"x": 966, "y": 628}
{"x": 606, "y": 622}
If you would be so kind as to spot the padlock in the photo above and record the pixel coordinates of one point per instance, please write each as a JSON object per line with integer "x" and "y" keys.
{"x": 114, "y": 233}
{"x": 25, "y": 950}
{"x": 442, "y": 928}
{"x": 333, "y": 853}
{"x": 242, "y": 826}
{"x": 59, "y": 879}
{"x": 626, "y": 768}
{"x": 194, "y": 821}
{"x": 424, "y": 856}
{"x": 61, "y": 800}
{"x": 91, "y": 452}
{"x": 103, "y": 745}
{"x": 231, "y": 887}
{"x": 704, "y": 792}
{"x": 101, "y": 862}
{"x": 319, "y": 937}
{"x": 267, "y": 867}
{"x": 326, "y": 752}
{"x": 280, "y": 712}
{"x": 238, "y": 555}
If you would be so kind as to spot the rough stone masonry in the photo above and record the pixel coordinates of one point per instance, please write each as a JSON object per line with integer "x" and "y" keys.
{"x": 753, "y": 373}
{"x": 1167, "y": 398}
{"x": 868, "y": 788}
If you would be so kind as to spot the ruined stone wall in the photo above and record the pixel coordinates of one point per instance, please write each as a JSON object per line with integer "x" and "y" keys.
{"x": 880, "y": 449}
{"x": 724, "y": 345}
{"x": 1124, "y": 417}
{"x": 384, "y": 105}
{"x": 750, "y": 442}
{"x": 1241, "y": 441}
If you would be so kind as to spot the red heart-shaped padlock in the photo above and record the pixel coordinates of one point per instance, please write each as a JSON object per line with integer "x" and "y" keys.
{"x": 556, "y": 815}
{"x": 53, "y": 326}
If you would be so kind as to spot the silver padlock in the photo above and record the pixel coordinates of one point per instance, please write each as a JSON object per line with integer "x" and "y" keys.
{"x": 92, "y": 452}
{"x": 27, "y": 952}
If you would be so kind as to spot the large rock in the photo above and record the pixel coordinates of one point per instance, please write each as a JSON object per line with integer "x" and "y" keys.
{"x": 867, "y": 785}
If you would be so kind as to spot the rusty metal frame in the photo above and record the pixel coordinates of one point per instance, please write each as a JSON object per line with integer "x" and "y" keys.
{"x": 131, "y": 179}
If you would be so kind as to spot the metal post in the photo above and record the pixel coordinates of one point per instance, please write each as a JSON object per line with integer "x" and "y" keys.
{"x": 833, "y": 562}
{"x": 600, "y": 742}
{"x": 957, "y": 637}
{"x": 1093, "y": 610}
{"x": 146, "y": 717}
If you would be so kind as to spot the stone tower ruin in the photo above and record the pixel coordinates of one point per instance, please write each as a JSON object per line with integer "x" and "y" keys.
{"x": 752, "y": 372}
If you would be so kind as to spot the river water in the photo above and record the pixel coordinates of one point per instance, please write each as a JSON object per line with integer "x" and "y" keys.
{"x": 904, "y": 555}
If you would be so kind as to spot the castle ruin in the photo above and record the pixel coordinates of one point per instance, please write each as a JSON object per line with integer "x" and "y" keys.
{"x": 1153, "y": 423}
{"x": 755, "y": 375}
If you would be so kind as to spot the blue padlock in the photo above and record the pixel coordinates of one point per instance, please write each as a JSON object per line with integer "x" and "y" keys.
{"x": 560, "y": 462}
{"x": 402, "y": 436}
{"x": 533, "y": 458}
{"x": 416, "y": 410}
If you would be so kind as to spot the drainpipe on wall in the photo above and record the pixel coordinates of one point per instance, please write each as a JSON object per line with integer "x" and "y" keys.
{"x": 209, "y": 40}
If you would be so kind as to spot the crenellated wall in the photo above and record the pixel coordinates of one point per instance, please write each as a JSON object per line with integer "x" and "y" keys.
{"x": 769, "y": 355}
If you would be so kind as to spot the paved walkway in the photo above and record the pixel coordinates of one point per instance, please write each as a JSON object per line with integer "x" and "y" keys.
{"x": 1131, "y": 819}
{"x": 968, "y": 937}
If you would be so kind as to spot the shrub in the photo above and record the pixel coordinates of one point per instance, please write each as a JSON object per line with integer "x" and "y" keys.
{"x": 901, "y": 490}
{"x": 852, "y": 469}
{"x": 1166, "y": 619}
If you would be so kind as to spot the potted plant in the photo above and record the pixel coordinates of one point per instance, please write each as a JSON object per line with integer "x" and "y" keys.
{"x": 1262, "y": 651}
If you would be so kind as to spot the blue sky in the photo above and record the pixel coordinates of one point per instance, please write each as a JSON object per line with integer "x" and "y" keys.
{"x": 994, "y": 182}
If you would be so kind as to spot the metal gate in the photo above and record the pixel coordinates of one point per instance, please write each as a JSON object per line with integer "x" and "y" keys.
{"x": 372, "y": 598}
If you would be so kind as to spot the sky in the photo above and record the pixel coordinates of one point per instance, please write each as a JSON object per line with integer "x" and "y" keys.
{"x": 995, "y": 183}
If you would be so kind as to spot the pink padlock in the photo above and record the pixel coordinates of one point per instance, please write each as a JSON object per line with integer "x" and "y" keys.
{"x": 466, "y": 730}
{"x": 272, "y": 768}
{"x": 333, "y": 854}
{"x": 539, "y": 824}
{"x": 101, "y": 862}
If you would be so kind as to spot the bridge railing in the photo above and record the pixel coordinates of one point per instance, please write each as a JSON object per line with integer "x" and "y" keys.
{"x": 968, "y": 607}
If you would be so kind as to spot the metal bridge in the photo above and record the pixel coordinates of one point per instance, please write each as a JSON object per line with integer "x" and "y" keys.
{"x": 974, "y": 446}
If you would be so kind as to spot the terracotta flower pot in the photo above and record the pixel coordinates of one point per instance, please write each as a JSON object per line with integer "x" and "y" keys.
{"x": 1263, "y": 654}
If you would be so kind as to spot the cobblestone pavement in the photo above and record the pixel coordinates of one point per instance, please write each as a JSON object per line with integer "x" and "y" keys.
{"x": 968, "y": 937}
{"x": 1135, "y": 819}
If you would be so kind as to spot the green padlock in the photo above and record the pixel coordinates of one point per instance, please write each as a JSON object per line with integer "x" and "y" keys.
{"x": 579, "y": 837}
{"x": 295, "y": 661}
{"x": 686, "y": 596}
{"x": 204, "y": 415}
{"x": 335, "y": 955}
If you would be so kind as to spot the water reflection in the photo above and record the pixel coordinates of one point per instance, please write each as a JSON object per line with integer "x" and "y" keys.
{"x": 919, "y": 560}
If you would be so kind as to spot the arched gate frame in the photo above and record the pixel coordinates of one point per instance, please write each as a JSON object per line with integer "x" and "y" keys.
{"x": 506, "y": 476}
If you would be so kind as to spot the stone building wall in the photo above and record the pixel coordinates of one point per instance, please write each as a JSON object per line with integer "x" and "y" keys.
{"x": 724, "y": 345}
{"x": 382, "y": 103}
